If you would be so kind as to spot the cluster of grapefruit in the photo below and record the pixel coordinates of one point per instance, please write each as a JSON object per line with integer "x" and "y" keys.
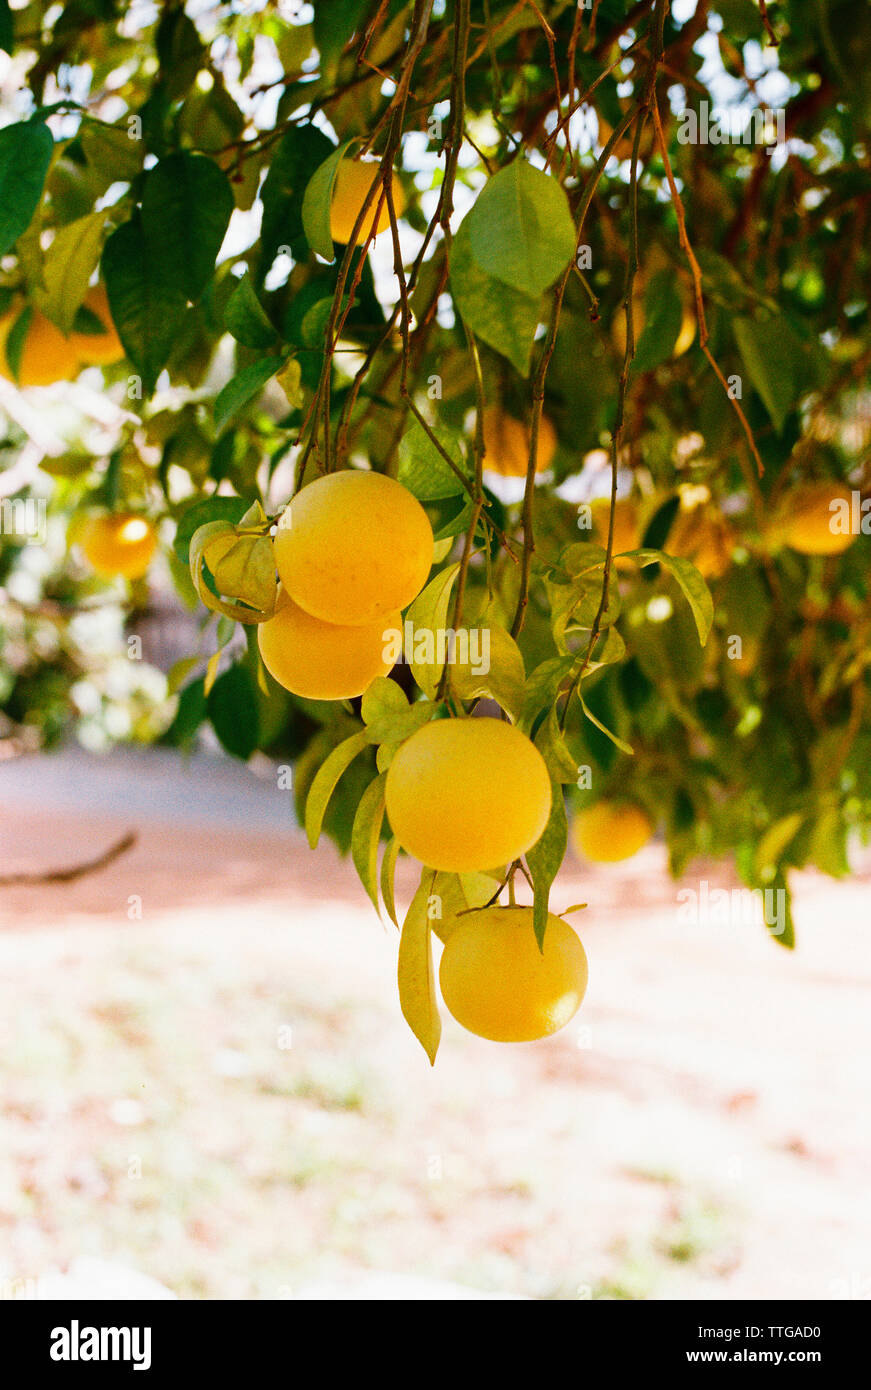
{"x": 463, "y": 794}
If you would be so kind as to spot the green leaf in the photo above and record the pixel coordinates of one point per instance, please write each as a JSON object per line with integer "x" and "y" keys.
{"x": 505, "y": 318}
{"x": 68, "y": 266}
{"x": 186, "y": 209}
{"x": 774, "y": 844}
{"x": 389, "y": 730}
{"x": 25, "y": 153}
{"x": 179, "y": 672}
{"x": 7, "y": 27}
{"x": 246, "y": 318}
{"x": 148, "y": 313}
{"x": 603, "y": 729}
{"x": 17, "y": 337}
{"x": 663, "y": 315}
{"x": 179, "y": 50}
{"x": 771, "y": 350}
{"x": 504, "y": 679}
{"x": 111, "y": 151}
{"x": 366, "y": 835}
{"x": 211, "y": 509}
{"x": 243, "y": 387}
{"x": 520, "y": 228}
{"x": 551, "y": 743}
{"x": 316, "y": 204}
{"x": 575, "y": 607}
{"x": 326, "y": 780}
{"x": 301, "y": 150}
{"x": 416, "y": 976}
{"x": 242, "y": 567}
{"x": 334, "y": 25}
{"x": 429, "y": 615}
{"x": 829, "y": 844}
{"x": 388, "y": 872}
{"x": 423, "y": 470}
{"x": 383, "y": 699}
{"x": 313, "y": 324}
{"x": 693, "y": 586}
{"x": 541, "y": 687}
{"x": 290, "y": 381}
{"x": 189, "y": 715}
{"x": 211, "y": 672}
{"x": 545, "y": 858}
{"x": 233, "y": 710}
{"x": 785, "y": 937}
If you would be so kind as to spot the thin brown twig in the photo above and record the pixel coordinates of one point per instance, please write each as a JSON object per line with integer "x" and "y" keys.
{"x": 68, "y": 875}
{"x": 695, "y": 271}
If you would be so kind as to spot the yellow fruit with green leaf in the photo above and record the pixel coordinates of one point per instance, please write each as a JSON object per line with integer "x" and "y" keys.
{"x": 324, "y": 661}
{"x": 498, "y": 984}
{"x": 353, "y": 547}
{"x": 468, "y": 794}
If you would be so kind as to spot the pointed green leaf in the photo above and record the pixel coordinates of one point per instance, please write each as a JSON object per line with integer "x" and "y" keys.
{"x": 233, "y": 710}
{"x": 429, "y": 615}
{"x": 325, "y": 782}
{"x": 316, "y": 204}
{"x": 25, "y": 153}
{"x": 299, "y": 153}
{"x": 67, "y": 268}
{"x": 186, "y": 209}
{"x": 383, "y": 698}
{"x": 416, "y": 975}
{"x": 7, "y": 27}
{"x": 505, "y": 318}
{"x": 545, "y": 858}
{"x": 498, "y": 672}
{"x": 246, "y": 318}
{"x": 388, "y": 872}
{"x": 148, "y": 312}
{"x": 521, "y": 229}
{"x": 772, "y": 354}
{"x": 423, "y": 470}
{"x": 243, "y": 387}
{"x": 366, "y": 835}
{"x": 695, "y": 590}
{"x": 609, "y": 733}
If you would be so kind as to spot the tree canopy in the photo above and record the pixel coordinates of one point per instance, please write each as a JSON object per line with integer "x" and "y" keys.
{"x": 619, "y": 308}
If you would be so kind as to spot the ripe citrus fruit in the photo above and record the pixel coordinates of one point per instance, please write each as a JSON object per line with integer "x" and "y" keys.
{"x": 701, "y": 534}
{"x": 609, "y": 830}
{"x": 806, "y": 518}
{"x": 354, "y": 178}
{"x": 46, "y": 356}
{"x": 626, "y": 531}
{"x": 98, "y": 349}
{"x": 506, "y": 443}
{"x": 119, "y": 544}
{"x": 468, "y": 794}
{"x": 322, "y": 661}
{"x": 498, "y": 984}
{"x": 353, "y": 547}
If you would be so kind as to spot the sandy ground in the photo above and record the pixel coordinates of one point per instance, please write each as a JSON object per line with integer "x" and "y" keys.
{"x": 205, "y": 1076}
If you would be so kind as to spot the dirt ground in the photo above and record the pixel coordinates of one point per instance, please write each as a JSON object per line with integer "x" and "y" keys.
{"x": 205, "y": 1077}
